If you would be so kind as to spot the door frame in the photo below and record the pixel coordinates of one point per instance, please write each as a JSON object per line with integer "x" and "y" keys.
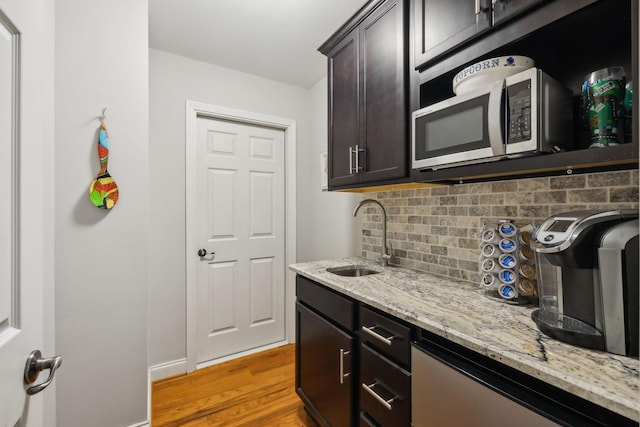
{"x": 194, "y": 111}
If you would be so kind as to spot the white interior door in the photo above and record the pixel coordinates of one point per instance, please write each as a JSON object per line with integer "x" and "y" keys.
{"x": 25, "y": 233}
{"x": 240, "y": 224}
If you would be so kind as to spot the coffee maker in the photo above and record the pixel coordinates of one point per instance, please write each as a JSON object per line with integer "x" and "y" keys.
{"x": 588, "y": 279}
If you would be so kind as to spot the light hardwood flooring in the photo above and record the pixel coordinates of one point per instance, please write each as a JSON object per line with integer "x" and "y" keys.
{"x": 256, "y": 390}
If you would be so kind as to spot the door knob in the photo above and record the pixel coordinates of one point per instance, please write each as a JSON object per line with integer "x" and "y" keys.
{"x": 203, "y": 253}
{"x": 36, "y": 364}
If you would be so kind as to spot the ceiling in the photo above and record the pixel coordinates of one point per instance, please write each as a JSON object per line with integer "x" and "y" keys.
{"x": 275, "y": 39}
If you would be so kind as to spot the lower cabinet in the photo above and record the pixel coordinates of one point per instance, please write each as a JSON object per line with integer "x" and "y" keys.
{"x": 349, "y": 378}
{"x": 324, "y": 369}
{"x": 325, "y": 354}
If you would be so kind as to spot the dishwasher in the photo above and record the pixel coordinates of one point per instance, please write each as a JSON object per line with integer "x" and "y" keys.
{"x": 456, "y": 387}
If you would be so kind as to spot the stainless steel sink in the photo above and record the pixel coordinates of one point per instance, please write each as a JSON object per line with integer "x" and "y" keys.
{"x": 352, "y": 271}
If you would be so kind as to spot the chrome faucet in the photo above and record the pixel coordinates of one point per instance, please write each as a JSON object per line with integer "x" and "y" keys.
{"x": 386, "y": 252}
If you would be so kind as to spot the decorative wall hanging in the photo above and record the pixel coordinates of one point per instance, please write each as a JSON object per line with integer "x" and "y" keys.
{"x": 103, "y": 191}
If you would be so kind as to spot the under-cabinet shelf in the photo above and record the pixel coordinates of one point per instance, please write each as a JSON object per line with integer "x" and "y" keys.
{"x": 618, "y": 157}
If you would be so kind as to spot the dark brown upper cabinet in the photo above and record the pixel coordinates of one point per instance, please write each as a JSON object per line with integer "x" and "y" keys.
{"x": 368, "y": 90}
{"x": 444, "y": 25}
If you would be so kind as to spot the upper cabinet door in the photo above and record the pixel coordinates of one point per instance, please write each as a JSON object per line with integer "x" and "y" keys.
{"x": 504, "y": 9}
{"x": 383, "y": 99}
{"x": 443, "y": 25}
{"x": 344, "y": 129}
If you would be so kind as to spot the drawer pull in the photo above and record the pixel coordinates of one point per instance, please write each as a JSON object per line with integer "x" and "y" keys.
{"x": 370, "y": 330}
{"x": 383, "y": 402}
{"x": 343, "y": 375}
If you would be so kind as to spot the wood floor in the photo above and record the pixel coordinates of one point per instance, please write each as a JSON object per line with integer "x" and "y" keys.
{"x": 256, "y": 390}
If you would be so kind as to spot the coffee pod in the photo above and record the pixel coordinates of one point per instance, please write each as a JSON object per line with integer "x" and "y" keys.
{"x": 490, "y": 265}
{"x": 490, "y": 250}
{"x": 525, "y": 238}
{"x": 507, "y": 276}
{"x": 507, "y": 261}
{"x": 490, "y": 235}
{"x": 525, "y": 253}
{"x": 488, "y": 280}
{"x": 506, "y": 229}
{"x": 527, "y": 270}
{"x": 526, "y": 287}
{"x": 507, "y": 291}
{"x": 507, "y": 245}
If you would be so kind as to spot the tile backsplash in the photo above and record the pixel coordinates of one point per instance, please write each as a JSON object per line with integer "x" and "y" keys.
{"x": 437, "y": 229}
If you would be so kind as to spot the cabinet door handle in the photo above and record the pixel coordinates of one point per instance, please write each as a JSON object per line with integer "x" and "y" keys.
{"x": 370, "y": 330}
{"x": 480, "y": 9}
{"x": 355, "y": 168}
{"x": 350, "y": 160}
{"x": 357, "y": 151}
{"x": 369, "y": 389}
{"x": 343, "y": 375}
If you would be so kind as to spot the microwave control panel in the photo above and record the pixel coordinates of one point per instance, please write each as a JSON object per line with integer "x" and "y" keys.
{"x": 519, "y": 106}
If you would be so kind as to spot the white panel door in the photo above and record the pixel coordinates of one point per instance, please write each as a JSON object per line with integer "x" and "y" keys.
{"x": 26, "y": 201}
{"x": 240, "y": 215}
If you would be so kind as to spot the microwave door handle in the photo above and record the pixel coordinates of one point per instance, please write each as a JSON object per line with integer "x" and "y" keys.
{"x": 495, "y": 116}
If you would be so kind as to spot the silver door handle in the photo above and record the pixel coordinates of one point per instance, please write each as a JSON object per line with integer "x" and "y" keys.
{"x": 370, "y": 330}
{"x": 494, "y": 129}
{"x": 357, "y": 152}
{"x": 357, "y": 168}
{"x": 351, "y": 168}
{"x": 342, "y": 373}
{"x": 202, "y": 253}
{"x": 36, "y": 364}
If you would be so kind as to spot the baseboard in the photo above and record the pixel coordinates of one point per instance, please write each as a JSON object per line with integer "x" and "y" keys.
{"x": 141, "y": 424}
{"x": 167, "y": 369}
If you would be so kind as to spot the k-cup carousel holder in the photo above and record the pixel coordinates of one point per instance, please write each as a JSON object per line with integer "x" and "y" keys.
{"x": 507, "y": 266}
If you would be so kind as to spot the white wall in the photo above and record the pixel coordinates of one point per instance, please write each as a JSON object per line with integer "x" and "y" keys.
{"x": 332, "y": 231}
{"x": 321, "y": 232}
{"x": 101, "y": 256}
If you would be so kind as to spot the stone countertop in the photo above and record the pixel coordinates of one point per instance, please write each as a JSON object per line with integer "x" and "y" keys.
{"x": 460, "y": 312}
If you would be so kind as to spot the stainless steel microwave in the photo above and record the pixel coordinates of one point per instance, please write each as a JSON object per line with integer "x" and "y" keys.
{"x": 523, "y": 114}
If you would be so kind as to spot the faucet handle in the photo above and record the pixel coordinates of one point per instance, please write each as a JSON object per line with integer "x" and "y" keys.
{"x": 386, "y": 255}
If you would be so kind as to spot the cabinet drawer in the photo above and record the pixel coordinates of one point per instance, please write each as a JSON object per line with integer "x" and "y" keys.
{"x": 385, "y": 390}
{"x": 386, "y": 335}
{"x": 336, "y": 307}
{"x": 366, "y": 421}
